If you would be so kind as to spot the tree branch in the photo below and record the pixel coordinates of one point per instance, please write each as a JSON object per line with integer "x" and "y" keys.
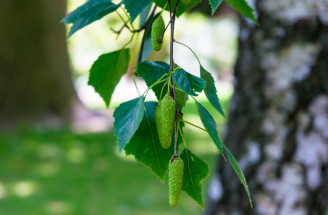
{"x": 167, "y": 26}
{"x": 173, "y": 84}
{"x": 146, "y": 28}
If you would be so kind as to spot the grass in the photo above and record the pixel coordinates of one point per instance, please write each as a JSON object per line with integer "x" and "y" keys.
{"x": 61, "y": 172}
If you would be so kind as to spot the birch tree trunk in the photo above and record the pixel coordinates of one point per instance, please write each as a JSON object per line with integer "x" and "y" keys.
{"x": 35, "y": 80}
{"x": 278, "y": 124}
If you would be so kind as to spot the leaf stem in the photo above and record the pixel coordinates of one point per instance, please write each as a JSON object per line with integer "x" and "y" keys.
{"x": 190, "y": 50}
{"x": 125, "y": 25}
{"x": 194, "y": 125}
{"x": 135, "y": 83}
{"x": 157, "y": 82}
{"x": 160, "y": 97}
{"x": 131, "y": 39}
{"x": 127, "y": 15}
{"x": 146, "y": 92}
{"x": 120, "y": 16}
{"x": 183, "y": 140}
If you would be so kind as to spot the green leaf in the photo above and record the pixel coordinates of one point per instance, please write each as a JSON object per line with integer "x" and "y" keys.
{"x": 128, "y": 117}
{"x": 181, "y": 8}
{"x": 88, "y": 13}
{"x": 239, "y": 172}
{"x": 107, "y": 71}
{"x": 242, "y": 7}
{"x": 188, "y": 82}
{"x": 148, "y": 48}
{"x": 145, "y": 145}
{"x": 215, "y": 4}
{"x": 195, "y": 171}
{"x": 210, "y": 90}
{"x": 134, "y": 7}
{"x": 210, "y": 125}
{"x": 152, "y": 72}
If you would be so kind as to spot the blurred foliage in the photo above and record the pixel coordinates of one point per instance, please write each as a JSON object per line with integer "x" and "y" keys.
{"x": 61, "y": 172}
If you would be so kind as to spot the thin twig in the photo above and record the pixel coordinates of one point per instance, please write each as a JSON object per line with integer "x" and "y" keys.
{"x": 147, "y": 21}
{"x": 196, "y": 126}
{"x": 129, "y": 18}
{"x": 146, "y": 28}
{"x": 167, "y": 26}
{"x": 169, "y": 2}
{"x": 121, "y": 29}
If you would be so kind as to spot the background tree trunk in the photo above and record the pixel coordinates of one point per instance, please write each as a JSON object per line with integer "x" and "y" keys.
{"x": 35, "y": 81}
{"x": 278, "y": 124}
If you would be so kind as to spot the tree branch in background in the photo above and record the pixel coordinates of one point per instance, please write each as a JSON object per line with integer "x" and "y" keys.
{"x": 146, "y": 28}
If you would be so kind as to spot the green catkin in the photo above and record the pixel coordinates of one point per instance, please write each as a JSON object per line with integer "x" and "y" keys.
{"x": 157, "y": 30}
{"x": 175, "y": 180}
{"x": 158, "y": 120}
{"x": 167, "y": 119}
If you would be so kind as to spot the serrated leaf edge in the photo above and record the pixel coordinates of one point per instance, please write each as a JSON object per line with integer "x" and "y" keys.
{"x": 162, "y": 179}
{"x": 243, "y": 181}
{"x": 212, "y": 6}
{"x": 202, "y": 203}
